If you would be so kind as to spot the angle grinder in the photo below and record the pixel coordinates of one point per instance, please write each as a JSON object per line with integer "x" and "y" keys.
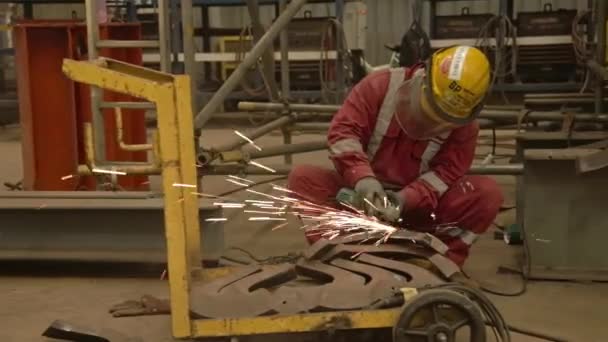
{"x": 352, "y": 198}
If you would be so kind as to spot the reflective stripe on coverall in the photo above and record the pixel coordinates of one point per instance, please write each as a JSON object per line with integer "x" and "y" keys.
{"x": 366, "y": 140}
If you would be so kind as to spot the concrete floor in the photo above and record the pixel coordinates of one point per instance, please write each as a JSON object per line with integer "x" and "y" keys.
{"x": 32, "y": 296}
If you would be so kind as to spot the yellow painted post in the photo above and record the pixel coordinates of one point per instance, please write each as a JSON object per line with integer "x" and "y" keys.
{"x": 188, "y": 167}
{"x": 175, "y": 149}
{"x": 175, "y": 212}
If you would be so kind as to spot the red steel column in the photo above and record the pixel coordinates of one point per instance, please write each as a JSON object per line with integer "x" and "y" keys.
{"x": 53, "y": 108}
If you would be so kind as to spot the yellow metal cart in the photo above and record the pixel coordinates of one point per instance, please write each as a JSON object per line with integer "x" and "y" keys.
{"x": 175, "y": 161}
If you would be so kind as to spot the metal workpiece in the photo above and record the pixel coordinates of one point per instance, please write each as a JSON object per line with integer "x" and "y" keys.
{"x": 250, "y": 59}
{"x": 248, "y": 286}
{"x": 256, "y": 133}
{"x": 421, "y": 276}
{"x": 333, "y": 294}
{"x": 338, "y": 284}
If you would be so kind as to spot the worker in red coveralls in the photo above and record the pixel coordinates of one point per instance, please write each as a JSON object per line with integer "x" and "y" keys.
{"x": 409, "y": 135}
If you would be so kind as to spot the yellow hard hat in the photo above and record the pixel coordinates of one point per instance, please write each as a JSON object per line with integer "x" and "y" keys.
{"x": 457, "y": 81}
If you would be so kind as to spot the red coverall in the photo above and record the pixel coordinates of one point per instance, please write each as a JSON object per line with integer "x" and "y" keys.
{"x": 431, "y": 174}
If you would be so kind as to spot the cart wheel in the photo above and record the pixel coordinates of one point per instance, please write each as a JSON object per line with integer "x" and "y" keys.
{"x": 436, "y": 316}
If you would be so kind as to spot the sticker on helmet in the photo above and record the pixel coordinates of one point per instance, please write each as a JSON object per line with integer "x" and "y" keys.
{"x": 457, "y": 64}
{"x": 445, "y": 65}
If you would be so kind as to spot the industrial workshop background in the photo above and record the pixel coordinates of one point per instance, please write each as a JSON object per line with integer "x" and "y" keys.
{"x": 162, "y": 133}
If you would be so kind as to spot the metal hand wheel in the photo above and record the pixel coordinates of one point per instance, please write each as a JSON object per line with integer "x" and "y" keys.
{"x": 437, "y": 316}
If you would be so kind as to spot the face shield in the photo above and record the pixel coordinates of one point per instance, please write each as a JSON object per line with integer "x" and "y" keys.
{"x": 415, "y": 113}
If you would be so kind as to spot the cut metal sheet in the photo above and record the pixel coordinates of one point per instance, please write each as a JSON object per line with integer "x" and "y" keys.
{"x": 417, "y": 276}
{"x": 400, "y": 252}
{"x": 400, "y": 235}
{"x": 418, "y": 237}
{"x": 381, "y": 283}
{"x": 248, "y": 288}
{"x": 335, "y": 293}
{"x": 317, "y": 249}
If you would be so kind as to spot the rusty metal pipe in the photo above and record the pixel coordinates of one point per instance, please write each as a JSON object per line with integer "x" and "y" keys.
{"x": 120, "y": 136}
{"x": 256, "y": 133}
{"x": 557, "y": 95}
{"x": 508, "y": 115}
{"x": 289, "y": 149}
{"x": 505, "y": 169}
{"x": 278, "y": 107}
{"x": 541, "y": 116}
{"x": 298, "y": 107}
{"x": 310, "y": 126}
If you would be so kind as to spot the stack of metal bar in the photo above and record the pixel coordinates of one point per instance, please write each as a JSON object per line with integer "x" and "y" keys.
{"x": 340, "y": 274}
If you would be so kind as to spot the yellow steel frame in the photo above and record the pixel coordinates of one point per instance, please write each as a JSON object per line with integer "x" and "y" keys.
{"x": 171, "y": 95}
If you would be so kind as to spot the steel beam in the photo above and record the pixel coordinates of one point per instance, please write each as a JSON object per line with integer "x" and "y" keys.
{"x": 93, "y": 226}
{"x": 267, "y": 39}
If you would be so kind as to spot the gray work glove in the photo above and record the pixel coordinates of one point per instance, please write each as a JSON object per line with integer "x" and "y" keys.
{"x": 393, "y": 207}
{"x": 369, "y": 188}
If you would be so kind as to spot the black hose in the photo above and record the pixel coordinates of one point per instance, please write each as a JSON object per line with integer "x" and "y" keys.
{"x": 521, "y": 291}
{"x": 536, "y": 334}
